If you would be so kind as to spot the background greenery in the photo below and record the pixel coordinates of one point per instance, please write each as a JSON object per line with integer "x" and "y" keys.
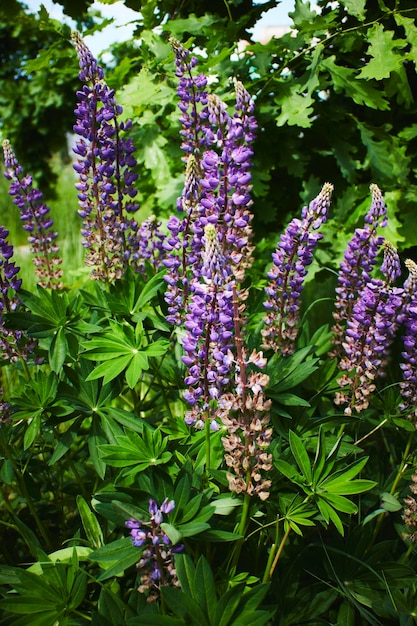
{"x": 335, "y": 100}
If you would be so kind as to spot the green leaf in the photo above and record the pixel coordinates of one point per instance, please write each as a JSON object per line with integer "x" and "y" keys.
{"x": 58, "y": 351}
{"x": 32, "y": 431}
{"x": 390, "y": 503}
{"x": 384, "y": 52}
{"x": 349, "y": 487}
{"x": 346, "y": 81}
{"x": 301, "y": 456}
{"x": 204, "y": 590}
{"x": 356, "y": 8}
{"x": 110, "y": 370}
{"x": 91, "y": 526}
{"x": 296, "y": 110}
{"x": 137, "y": 364}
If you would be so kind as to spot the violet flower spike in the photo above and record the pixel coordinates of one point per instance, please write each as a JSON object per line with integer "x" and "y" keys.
{"x": 209, "y": 333}
{"x": 106, "y": 169}
{"x": 36, "y": 221}
{"x": 156, "y": 565}
{"x": 13, "y": 343}
{"x": 376, "y": 316}
{"x": 359, "y": 260}
{"x": 408, "y": 386}
{"x": 291, "y": 259}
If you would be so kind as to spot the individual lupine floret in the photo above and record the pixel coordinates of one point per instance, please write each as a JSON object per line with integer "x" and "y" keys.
{"x": 13, "y": 343}
{"x": 156, "y": 566}
{"x": 245, "y": 414}
{"x": 291, "y": 259}
{"x": 36, "y": 221}
{"x": 408, "y": 386}
{"x": 106, "y": 168}
{"x": 209, "y": 333}
{"x": 376, "y": 316}
{"x": 356, "y": 268}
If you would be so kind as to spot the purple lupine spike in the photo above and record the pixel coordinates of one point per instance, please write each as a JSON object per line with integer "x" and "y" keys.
{"x": 359, "y": 260}
{"x": 156, "y": 565}
{"x": 391, "y": 266}
{"x": 293, "y": 255}
{"x": 376, "y": 316}
{"x": 36, "y": 221}
{"x": 209, "y": 333}
{"x": 408, "y": 386}
{"x": 193, "y": 99}
{"x": 217, "y": 189}
{"x": 105, "y": 165}
{"x": 13, "y": 343}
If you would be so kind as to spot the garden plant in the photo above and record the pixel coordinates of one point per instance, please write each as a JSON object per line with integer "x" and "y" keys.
{"x": 199, "y": 430}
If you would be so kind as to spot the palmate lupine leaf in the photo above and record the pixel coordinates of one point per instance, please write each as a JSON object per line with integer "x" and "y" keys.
{"x": 122, "y": 348}
{"x": 326, "y": 481}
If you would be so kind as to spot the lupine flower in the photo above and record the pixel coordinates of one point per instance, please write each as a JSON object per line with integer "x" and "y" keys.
{"x": 376, "y": 316}
{"x": 150, "y": 246}
{"x": 193, "y": 99}
{"x": 209, "y": 332}
{"x": 156, "y": 566}
{"x": 36, "y": 221}
{"x": 245, "y": 414}
{"x": 106, "y": 169}
{"x": 13, "y": 343}
{"x": 291, "y": 259}
{"x": 408, "y": 386}
{"x": 356, "y": 268}
{"x": 217, "y": 186}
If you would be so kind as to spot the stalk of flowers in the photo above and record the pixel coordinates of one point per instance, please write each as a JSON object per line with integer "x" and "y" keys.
{"x": 36, "y": 221}
{"x": 105, "y": 165}
{"x": 408, "y": 386}
{"x": 216, "y": 190}
{"x": 291, "y": 259}
{"x": 156, "y": 565}
{"x": 227, "y": 177}
{"x": 208, "y": 337}
{"x": 376, "y": 316}
{"x": 245, "y": 414}
{"x": 13, "y": 343}
{"x": 356, "y": 268}
{"x": 192, "y": 93}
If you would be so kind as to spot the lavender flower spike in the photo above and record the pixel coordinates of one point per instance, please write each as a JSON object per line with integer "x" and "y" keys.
{"x": 156, "y": 565}
{"x": 357, "y": 265}
{"x": 291, "y": 259}
{"x": 34, "y": 215}
{"x": 408, "y": 386}
{"x": 106, "y": 169}
{"x": 376, "y": 316}
{"x": 209, "y": 332}
{"x": 13, "y": 344}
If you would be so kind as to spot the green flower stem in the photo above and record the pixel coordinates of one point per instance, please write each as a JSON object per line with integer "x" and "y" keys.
{"x": 208, "y": 442}
{"x": 278, "y": 554}
{"x": 25, "y": 493}
{"x": 243, "y": 524}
